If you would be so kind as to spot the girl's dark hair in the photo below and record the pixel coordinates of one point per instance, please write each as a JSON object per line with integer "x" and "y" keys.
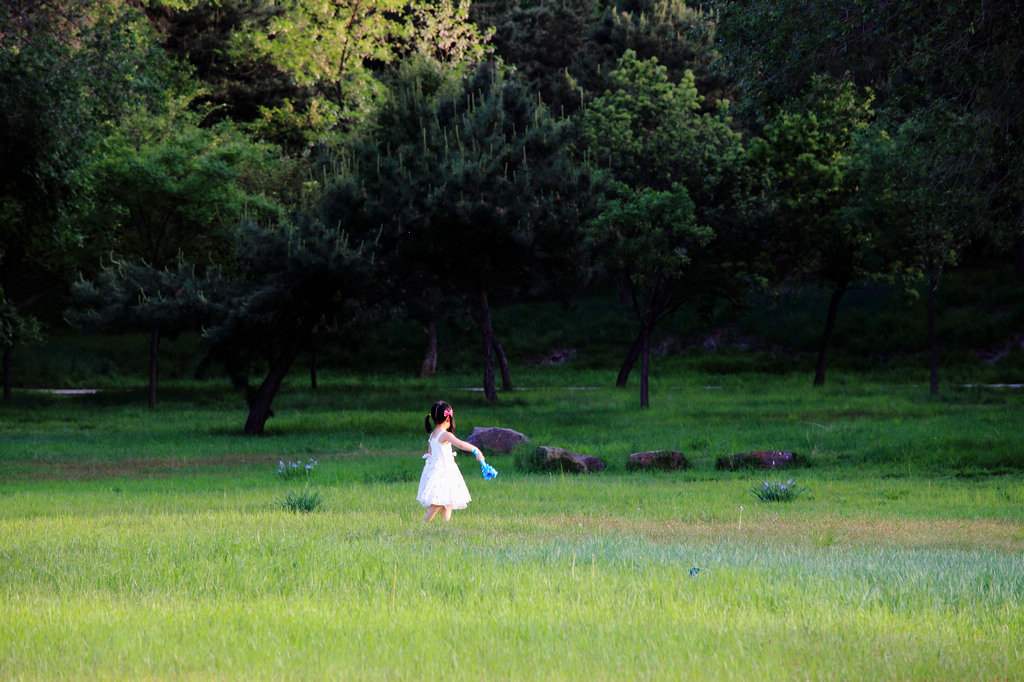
{"x": 437, "y": 414}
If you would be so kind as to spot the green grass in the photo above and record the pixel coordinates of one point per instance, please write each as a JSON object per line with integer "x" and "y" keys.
{"x": 542, "y": 578}
{"x": 152, "y": 544}
{"x": 893, "y": 428}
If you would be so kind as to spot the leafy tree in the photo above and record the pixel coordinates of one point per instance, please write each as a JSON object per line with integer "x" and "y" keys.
{"x": 566, "y": 48}
{"x": 40, "y": 145}
{"x": 676, "y": 177}
{"x": 236, "y": 83}
{"x": 335, "y": 53}
{"x": 544, "y": 40}
{"x": 166, "y": 195}
{"x": 65, "y": 69}
{"x": 165, "y": 188}
{"x": 681, "y": 36}
{"x": 650, "y": 236}
{"x": 923, "y": 185}
{"x": 957, "y": 61}
{"x": 15, "y": 329}
{"x": 960, "y": 56}
{"x": 809, "y": 154}
{"x": 909, "y": 53}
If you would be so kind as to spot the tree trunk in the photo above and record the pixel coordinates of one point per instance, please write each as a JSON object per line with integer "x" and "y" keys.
{"x": 154, "y": 363}
{"x": 259, "y": 410}
{"x": 826, "y": 336}
{"x": 648, "y": 313}
{"x": 933, "y": 345}
{"x": 487, "y": 332}
{"x": 8, "y": 350}
{"x": 313, "y": 362}
{"x": 429, "y": 365}
{"x": 627, "y": 365}
{"x": 506, "y": 375}
{"x": 645, "y": 364}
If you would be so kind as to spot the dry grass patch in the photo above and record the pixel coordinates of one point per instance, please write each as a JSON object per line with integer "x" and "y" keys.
{"x": 144, "y": 467}
{"x": 966, "y": 535}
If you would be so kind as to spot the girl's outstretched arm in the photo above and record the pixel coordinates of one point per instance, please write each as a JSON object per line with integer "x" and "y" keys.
{"x": 448, "y": 437}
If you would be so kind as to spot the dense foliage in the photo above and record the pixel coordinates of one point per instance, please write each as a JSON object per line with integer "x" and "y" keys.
{"x": 317, "y": 166}
{"x": 476, "y": 199}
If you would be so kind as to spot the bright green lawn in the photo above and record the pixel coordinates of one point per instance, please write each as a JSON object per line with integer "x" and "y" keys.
{"x": 541, "y": 578}
{"x": 142, "y": 545}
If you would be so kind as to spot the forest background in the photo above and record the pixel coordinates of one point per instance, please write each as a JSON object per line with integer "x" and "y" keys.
{"x": 788, "y": 218}
{"x": 355, "y": 185}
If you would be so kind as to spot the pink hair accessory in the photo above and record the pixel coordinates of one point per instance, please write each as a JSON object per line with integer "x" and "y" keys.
{"x": 448, "y": 412}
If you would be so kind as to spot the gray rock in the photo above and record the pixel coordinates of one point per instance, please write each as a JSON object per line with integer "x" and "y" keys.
{"x": 554, "y": 459}
{"x": 762, "y": 459}
{"x": 669, "y": 460}
{"x": 496, "y": 438}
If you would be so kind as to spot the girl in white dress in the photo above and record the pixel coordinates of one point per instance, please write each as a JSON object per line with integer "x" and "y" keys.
{"x": 441, "y": 484}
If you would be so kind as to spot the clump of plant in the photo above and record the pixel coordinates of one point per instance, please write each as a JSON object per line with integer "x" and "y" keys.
{"x": 524, "y": 459}
{"x": 774, "y": 491}
{"x": 293, "y": 470}
{"x": 304, "y": 501}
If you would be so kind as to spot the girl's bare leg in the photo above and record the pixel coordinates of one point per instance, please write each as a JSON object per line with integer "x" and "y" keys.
{"x": 431, "y": 512}
{"x": 447, "y": 514}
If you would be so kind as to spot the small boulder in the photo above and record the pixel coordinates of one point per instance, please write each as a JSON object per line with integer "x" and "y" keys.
{"x": 496, "y": 439}
{"x": 554, "y": 459}
{"x": 758, "y": 459}
{"x": 668, "y": 460}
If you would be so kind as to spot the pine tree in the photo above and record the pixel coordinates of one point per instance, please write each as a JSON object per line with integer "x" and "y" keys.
{"x": 294, "y": 278}
{"x": 479, "y": 200}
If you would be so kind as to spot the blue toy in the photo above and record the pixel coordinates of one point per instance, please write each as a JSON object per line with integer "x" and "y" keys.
{"x": 486, "y": 469}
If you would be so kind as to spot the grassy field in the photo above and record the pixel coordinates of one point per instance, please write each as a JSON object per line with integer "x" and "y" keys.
{"x": 139, "y": 544}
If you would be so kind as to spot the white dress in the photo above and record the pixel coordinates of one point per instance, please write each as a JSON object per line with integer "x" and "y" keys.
{"x": 441, "y": 482}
